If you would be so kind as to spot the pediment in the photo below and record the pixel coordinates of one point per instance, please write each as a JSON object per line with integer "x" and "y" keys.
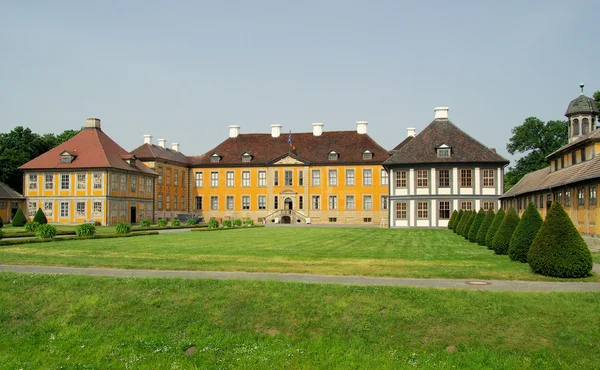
{"x": 289, "y": 159}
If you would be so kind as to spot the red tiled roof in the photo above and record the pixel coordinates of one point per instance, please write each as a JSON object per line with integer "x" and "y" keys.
{"x": 93, "y": 149}
{"x": 154, "y": 152}
{"x": 264, "y": 149}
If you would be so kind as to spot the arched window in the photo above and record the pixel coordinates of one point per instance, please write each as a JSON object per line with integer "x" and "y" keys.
{"x": 585, "y": 126}
{"x": 575, "y": 127}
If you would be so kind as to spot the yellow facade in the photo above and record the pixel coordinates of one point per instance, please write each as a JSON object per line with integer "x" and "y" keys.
{"x": 172, "y": 189}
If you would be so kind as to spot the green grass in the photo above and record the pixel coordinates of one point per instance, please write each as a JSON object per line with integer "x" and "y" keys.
{"x": 90, "y": 322}
{"x": 418, "y": 253}
{"x": 596, "y": 257}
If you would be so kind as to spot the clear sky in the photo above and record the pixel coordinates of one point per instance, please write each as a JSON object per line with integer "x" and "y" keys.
{"x": 185, "y": 70}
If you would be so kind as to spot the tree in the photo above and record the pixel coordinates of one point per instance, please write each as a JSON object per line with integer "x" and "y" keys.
{"x": 19, "y": 220}
{"x": 502, "y": 238}
{"x": 524, "y": 234}
{"x": 40, "y": 217}
{"x": 461, "y": 223}
{"x": 537, "y": 139}
{"x": 476, "y": 225}
{"x": 467, "y": 225}
{"x": 452, "y": 219}
{"x": 485, "y": 225}
{"x": 558, "y": 249}
{"x": 489, "y": 237}
{"x": 597, "y": 98}
{"x": 457, "y": 221}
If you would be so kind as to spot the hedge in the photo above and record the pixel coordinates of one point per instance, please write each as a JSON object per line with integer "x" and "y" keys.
{"x": 462, "y": 221}
{"x": 489, "y": 237}
{"x": 457, "y": 221}
{"x": 485, "y": 226}
{"x": 502, "y": 238}
{"x": 66, "y": 238}
{"x": 477, "y": 221}
{"x": 524, "y": 234}
{"x": 452, "y": 219}
{"x": 558, "y": 249}
{"x": 465, "y": 229}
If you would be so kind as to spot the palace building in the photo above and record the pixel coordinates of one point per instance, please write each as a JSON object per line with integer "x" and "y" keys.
{"x": 10, "y": 201}
{"x": 573, "y": 175}
{"x": 440, "y": 170}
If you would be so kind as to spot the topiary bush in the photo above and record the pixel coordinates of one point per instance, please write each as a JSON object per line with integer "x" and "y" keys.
{"x": 227, "y": 223}
{"x": 457, "y": 220}
{"x": 45, "y": 231}
{"x": 40, "y": 217}
{"x": 248, "y": 222}
{"x": 1, "y": 223}
{"x": 452, "y": 219}
{"x": 162, "y": 223}
{"x": 213, "y": 224}
{"x": 524, "y": 234}
{"x": 485, "y": 225}
{"x": 85, "y": 230}
{"x": 31, "y": 226}
{"x": 489, "y": 237}
{"x": 502, "y": 238}
{"x": 465, "y": 228}
{"x": 461, "y": 222}
{"x": 175, "y": 222}
{"x": 558, "y": 249}
{"x": 477, "y": 221}
{"x": 237, "y": 222}
{"x": 19, "y": 220}
{"x": 190, "y": 222}
{"x": 123, "y": 228}
{"x": 145, "y": 224}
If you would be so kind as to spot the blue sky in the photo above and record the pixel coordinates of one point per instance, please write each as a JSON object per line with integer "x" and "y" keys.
{"x": 184, "y": 71}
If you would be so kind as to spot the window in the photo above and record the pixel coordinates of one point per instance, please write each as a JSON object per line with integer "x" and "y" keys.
{"x": 488, "y": 178}
{"x": 48, "y": 208}
{"x": 592, "y": 194}
{"x": 385, "y": 177}
{"x": 245, "y": 202}
{"x": 349, "y": 177}
{"x": 422, "y": 210}
{"x": 246, "y": 158}
{"x": 367, "y": 155}
{"x": 262, "y": 202}
{"x": 176, "y": 178}
{"x": 97, "y": 209}
{"x": 183, "y": 183}
{"x": 487, "y": 205}
{"x": 466, "y": 205}
{"x": 168, "y": 202}
{"x": 215, "y": 158}
{"x": 401, "y": 210}
{"x": 168, "y": 171}
{"x": 541, "y": 205}
{"x": 581, "y": 196}
{"x": 123, "y": 183}
{"x": 575, "y": 127}
{"x": 333, "y": 156}
{"x": 422, "y": 178}
{"x": 64, "y": 209}
{"x": 198, "y": 203}
{"x": 175, "y": 202}
{"x": 401, "y": 178}
{"x": 316, "y": 177}
{"x": 444, "y": 210}
{"x": 349, "y": 202}
{"x": 65, "y": 184}
{"x": 288, "y": 178}
{"x": 367, "y": 202}
{"x": 160, "y": 202}
{"x": 229, "y": 202}
{"x": 367, "y": 177}
{"x": 66, "y": 158}
{"x": 80, "y": 209}
{"x": 384, "y": 202}
{"x": 332, "y": 219}
{"x": 214, "y": 179}
{"x": 573, "y": 158}
{"x": 300, "y": 178}
{"x": 301, "y": 202}
{"x": 556, "y": 165}
{"x": 214, "y": 202}
{"x": 123, "y": 209}
{"x": 585, "y": 126}
{"x": 559, "y": 197}
{"x": 159, "y": 170}
{"x": 567, "y": 198}
{"x": 149, "y": 185}
{"x": 31, "y": 208}
{"x": 444, "y": 178}
{"x": 332, "y": 202}
{"x": 316, "y": 202}
{"x": 332, "y": 177}
{"x": 443, "y": 152}
{"x": 229, "y": 179}
{"x": 246, "y": 178}
{"x": 465, "y": 178}
{"x": 276, "y": 178}
{"x": 583, "y": 154}
{"x": 276, "y": 202}
{"x": 262, "y": 178}
{"x": 141, "y": 182}
{"x": 114, "y": 182}
{"x": 199, "y": 179}
{"x": 133, "y": 183}
{"x": 49, "y": 182}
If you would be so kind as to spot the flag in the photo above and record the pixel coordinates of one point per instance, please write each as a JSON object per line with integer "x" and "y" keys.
{"x": 289, "y": 141}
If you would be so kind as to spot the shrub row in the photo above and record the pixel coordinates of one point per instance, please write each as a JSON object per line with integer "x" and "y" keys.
{"x": 97, "y": 236}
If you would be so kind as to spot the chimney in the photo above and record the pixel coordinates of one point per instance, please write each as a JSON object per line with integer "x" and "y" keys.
{"x": 276, "y": 130}
{"x": 411, "y": 132}
{"x": 441, "y": 112}
{"x": 234, "y": 131}
{"x": 148, "y": 139}
{"x": 361, "y": 127}
{"x": 162, "y": 143}
{"x": 93, "y": 123}
{"x": 175, "y": 147}
{"x": 493, "y": 150}
{"x": 318, "y": 128}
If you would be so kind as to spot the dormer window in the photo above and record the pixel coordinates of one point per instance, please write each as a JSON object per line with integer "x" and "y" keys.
{"x": 215, "y": 158}
{"x": 367, "y": 155}
{"x": 444, "y": 151}
{"x": 66, "y": 157}
{"x": 246, "y": 157}
{"x": 333, "y": 156}
{"x": 131, "y": 161}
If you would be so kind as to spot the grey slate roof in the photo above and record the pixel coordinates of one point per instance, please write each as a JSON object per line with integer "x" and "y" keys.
{"x": 8, "y": 193}
{"x": 422, "y": 148}
{"x": 153, "y": 152}
{"x": 582, "y": 104}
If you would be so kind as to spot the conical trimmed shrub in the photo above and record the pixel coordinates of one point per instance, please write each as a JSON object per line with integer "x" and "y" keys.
{"x": 558, "y": 249}
{"x": 40, "y": 217}
{"x": 477, "y": 221}
{"x": 502, "y": 238}
{"x": 452, "y": 219}
{"x": 467, "y": 225}
{"x": 489, "y": 237}
{"x": 485, "y": 226}
{"x": 524, "y": 234}
{"x": 457, "y": 221}
{"x": 19, "y": 220}
{"x": 461, "y": 223}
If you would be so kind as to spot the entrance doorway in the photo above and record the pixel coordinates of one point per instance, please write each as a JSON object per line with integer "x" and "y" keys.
{"x": 288, "y": 203}
{"x": 133, "y": 213}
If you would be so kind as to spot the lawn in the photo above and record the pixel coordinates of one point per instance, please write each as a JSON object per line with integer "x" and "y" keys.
{"x": 596, "y": 257}
{"x": 91, "y": 322}
{"x": 418, "y": 253}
